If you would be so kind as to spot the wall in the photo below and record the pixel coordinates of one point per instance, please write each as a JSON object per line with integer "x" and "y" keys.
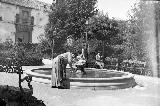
{"x": 40, "y": 20}
{"x": 7, "y": 27}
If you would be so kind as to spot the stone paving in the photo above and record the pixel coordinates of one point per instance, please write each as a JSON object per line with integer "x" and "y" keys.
{"x": 146, "y": 94}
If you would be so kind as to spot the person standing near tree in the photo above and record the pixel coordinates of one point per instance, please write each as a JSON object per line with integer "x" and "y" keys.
{"x": 99, "y": 61}
{"x": 98, "y": 57}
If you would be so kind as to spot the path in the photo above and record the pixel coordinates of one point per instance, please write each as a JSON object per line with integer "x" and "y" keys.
{"x": 149, "y": 95}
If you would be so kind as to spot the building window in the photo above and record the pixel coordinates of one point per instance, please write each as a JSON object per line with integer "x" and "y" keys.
{"x": 17, "y": 18}
{"x": 20, "y": 40}
{"x": 32, "y": 20}
{"x": 0, "y": 18}
{"x": 25, "y": 16}
{"x": 45, "y": 7}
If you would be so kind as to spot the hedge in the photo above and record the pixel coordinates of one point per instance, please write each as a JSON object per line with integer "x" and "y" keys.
{"x": 27, "y": 53}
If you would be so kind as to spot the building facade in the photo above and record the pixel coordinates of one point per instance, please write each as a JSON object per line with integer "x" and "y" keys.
{"x": 23, "y": 20}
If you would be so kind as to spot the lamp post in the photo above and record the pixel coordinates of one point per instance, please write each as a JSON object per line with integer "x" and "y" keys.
{"x": 52, "y": 44}
{"x": 86, "y": 36}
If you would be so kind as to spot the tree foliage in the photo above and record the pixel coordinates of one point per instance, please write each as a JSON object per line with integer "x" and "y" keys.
{"x": 141, "y": 29}
{"x": 105, "y": 30}
{"x": 68, "y": 19}
{"x": 80, "y": 12}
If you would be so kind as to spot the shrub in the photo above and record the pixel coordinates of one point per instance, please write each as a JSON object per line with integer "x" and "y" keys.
{"x": 26, "y": 53}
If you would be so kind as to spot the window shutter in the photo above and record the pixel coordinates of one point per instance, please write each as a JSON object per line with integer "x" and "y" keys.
{"x": 32, "y": 20}
{"x": 17, "y": 18}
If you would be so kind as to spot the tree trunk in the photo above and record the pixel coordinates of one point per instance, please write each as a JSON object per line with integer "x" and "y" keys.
{"x": 52, "y": 47}
{"x": 103, "y": 45}
{"x": 157, "y": 49}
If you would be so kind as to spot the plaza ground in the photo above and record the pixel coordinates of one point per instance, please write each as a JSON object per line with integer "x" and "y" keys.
{"x": 147, "y": 93}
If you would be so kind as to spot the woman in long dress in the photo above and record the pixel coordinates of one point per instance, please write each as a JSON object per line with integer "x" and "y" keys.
{"x": 59, "y": 69}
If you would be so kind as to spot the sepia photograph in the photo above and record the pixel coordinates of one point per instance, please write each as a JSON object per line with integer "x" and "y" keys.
{"x": 79, "y": 53}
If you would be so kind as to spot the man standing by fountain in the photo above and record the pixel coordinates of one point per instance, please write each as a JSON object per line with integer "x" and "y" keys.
{"x": 58, "y": 74}
{"x": 99, "y": 61}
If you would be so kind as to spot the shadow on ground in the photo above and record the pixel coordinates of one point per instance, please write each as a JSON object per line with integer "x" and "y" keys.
{"x": 12, "y": 96}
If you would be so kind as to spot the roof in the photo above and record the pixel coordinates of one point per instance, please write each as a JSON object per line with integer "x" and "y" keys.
{"x": 29, "y": 3}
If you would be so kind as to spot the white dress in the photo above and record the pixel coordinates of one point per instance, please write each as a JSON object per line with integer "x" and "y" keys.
{"x": 59, "y": 68}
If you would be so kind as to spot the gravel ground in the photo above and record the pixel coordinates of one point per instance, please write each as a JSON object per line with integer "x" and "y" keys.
{"x": 146, "y": 94}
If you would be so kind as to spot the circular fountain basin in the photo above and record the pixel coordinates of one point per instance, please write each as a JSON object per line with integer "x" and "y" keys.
{"x": 95, "y": 78}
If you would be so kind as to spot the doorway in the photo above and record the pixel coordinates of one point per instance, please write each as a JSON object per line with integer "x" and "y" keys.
{"x": 23, "y": 37}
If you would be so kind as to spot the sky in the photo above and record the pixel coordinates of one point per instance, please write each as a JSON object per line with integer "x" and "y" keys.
{"x": 114, "y": 8}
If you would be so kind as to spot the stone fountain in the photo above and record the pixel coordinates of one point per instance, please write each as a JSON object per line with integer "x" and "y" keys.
{"x": 94, "y": 78}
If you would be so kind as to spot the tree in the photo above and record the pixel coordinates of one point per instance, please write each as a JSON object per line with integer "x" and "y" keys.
{"x": 55, "y": 33}
{"x": 80, "y": 12}
{"x": 105, "y": 30}
{"x": 68, "y": 19}
{"x": 144, "y": 32}
{"x": 141, "y": 29}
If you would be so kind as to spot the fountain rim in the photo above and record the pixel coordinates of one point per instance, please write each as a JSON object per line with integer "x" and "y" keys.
{"x": 126, "y": 75}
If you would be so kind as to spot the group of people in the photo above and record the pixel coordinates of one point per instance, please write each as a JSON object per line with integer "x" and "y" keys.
{"x": 58, "y": 74}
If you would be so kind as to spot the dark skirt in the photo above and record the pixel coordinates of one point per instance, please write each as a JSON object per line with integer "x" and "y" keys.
{"x": 58, "y": 71}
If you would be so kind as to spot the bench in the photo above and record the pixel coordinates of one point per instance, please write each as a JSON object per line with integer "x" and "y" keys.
{"x": 12, "y": 92}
